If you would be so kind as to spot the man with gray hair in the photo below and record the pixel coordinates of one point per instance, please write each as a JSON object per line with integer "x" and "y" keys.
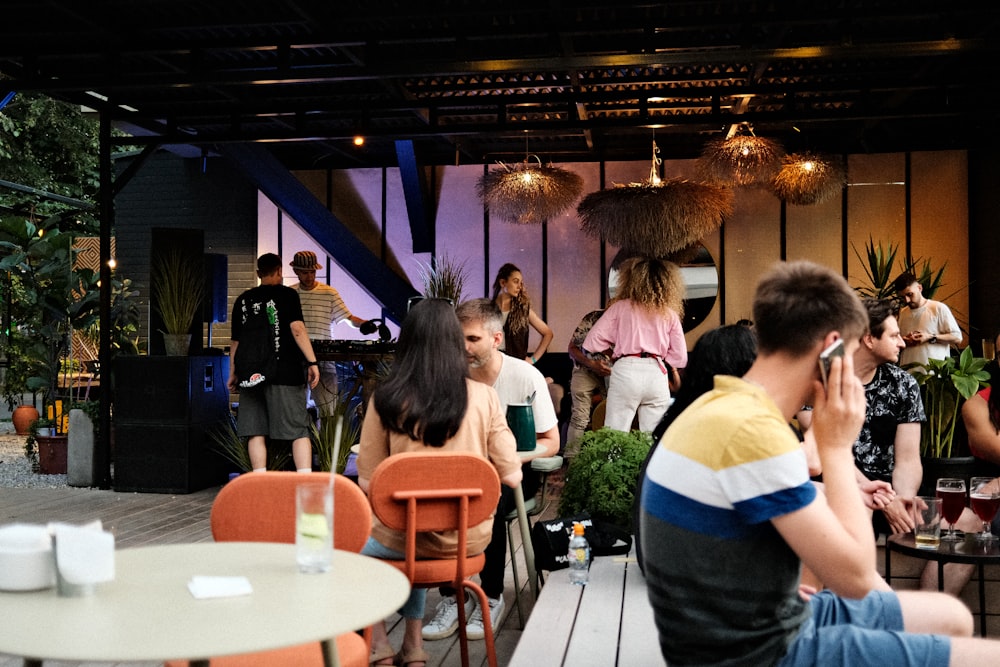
{"x": 515, "y": 381}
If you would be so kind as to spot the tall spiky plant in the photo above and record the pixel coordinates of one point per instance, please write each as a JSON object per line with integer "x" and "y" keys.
{"x": 878, "y": 263}
{"x": 178, "y": 284}
{"x": 443, "y": 278}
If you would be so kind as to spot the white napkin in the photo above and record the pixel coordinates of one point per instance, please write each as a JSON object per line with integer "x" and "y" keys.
{"x": 84, "y": 554}
{"x": 204, "y": 587}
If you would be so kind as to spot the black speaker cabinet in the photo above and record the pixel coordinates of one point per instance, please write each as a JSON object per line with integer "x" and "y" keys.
{"x": 164, "y": 412}
{"x": 166, "y": 458}
{"x": 171, "y": 390}
{"x": 216, "y": 288}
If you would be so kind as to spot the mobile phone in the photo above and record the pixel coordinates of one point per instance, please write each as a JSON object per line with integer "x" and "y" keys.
{"x": 835, "y": 349}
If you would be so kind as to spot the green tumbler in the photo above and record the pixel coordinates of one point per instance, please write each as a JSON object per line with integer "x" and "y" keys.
{"x": 521, "y": 421}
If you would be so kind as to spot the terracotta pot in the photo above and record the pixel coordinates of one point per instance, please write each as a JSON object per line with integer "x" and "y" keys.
{"x": 52, "y": 453}
{"x": 22, "y": 417}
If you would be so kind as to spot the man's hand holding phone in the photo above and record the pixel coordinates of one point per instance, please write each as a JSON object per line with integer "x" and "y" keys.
{"x": 839, "y": 408}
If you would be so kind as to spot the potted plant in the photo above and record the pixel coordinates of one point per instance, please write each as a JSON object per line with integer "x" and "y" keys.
{"x": 45, "y": 448}
{"x": 16, "y": 371}
{"x": 324, "y": 436}
{"x": 55, "y": 299}
{"x": 444, "y": 278}
{"x": 602, "y": 478}
{"x": 178, "y": 286}
{"x": 944, "y": 385}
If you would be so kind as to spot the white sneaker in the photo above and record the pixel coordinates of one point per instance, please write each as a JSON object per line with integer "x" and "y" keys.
{"x": 445, "y": 621}
{"x": 474, "y": 630}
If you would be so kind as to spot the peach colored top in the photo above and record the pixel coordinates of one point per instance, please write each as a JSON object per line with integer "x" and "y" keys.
{"x": 484, "y": 431}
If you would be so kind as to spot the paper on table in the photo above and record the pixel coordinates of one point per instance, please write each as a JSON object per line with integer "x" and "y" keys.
{"x": 84, "y": 554}
{"x": 204, "y": 587}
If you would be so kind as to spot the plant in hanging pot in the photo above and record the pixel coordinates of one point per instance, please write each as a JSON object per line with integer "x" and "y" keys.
{"x": 178, "y": 286}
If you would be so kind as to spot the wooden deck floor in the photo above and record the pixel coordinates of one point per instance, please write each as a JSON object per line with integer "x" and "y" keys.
{"x": 138, "y": 519}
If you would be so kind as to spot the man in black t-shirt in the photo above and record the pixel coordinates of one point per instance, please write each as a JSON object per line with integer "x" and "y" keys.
{"x": 275, "y": 408}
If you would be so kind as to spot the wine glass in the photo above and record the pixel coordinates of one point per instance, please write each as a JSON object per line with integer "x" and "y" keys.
{"x": 951, "y": 491}
{"x": 984, "y": 493}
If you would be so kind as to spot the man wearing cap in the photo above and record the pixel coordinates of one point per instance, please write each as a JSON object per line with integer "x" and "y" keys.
{"x": 322, "y": 308}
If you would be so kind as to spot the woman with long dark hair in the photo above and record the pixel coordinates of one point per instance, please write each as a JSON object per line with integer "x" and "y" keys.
{"x": 512, "y": 299}
{"x": 429, "y": 403}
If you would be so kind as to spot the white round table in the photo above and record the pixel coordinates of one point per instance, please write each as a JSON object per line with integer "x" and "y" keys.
{"x": 147, "y": 612}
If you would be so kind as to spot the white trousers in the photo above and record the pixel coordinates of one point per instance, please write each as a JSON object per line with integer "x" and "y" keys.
{"x": 637, "y": 384}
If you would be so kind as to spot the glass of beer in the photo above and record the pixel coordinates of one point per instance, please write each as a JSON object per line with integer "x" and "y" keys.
{"x": 951, "y": 491}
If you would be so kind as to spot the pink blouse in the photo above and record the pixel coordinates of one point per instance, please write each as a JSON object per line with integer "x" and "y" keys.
{"x": 632, "y": 330}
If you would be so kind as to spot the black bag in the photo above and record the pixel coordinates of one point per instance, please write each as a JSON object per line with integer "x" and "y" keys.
{"x": 256, "y": 359}
{"x": 550, "y": 540}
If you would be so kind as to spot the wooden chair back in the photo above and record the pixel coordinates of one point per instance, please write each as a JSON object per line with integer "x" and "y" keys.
{"x": 419, "y": 492}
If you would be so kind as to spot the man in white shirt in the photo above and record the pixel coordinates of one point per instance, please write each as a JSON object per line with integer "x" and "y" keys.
{"x": 322, "y": 308}
{"x": 928, "y": 327}
{"x": 514, "y": 381}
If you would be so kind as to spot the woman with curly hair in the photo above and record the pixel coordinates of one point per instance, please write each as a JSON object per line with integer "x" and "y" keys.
{"x": 642, "y": 333}
{"x": 512, "y": 299}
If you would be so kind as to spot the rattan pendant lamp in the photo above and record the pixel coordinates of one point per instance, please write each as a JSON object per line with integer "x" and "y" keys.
{"x": 657, "y": 217}
{"x": 528, "y": 193}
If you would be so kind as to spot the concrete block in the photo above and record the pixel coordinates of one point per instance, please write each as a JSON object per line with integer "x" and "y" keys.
{"x": 80, "y": 449}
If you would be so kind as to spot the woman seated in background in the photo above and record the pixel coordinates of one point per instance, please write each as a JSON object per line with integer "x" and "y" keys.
{"x": 512, "y": 300}
{"x": 428, "y": 403}
{"x": 641, "y": 331}
{"x": 981, "y": 415}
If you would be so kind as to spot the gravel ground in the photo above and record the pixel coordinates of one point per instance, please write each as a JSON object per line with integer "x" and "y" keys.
{"x": 15, "y": 468}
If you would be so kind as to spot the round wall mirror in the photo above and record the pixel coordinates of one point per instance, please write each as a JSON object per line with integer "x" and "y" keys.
{"x": 701, "y": 281}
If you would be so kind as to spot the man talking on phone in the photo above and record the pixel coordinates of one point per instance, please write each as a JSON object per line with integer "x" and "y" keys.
{"x": 729, "y": 478}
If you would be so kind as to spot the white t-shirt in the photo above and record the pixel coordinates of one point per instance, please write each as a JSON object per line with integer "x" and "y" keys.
{"x": 322, "y": 308}
{"x": 933, "y": 318}
{"x": 516, "y": 382}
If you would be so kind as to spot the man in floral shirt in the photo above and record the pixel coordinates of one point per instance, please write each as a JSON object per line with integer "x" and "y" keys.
{"x": 590, "y": 374}
{"x": 888, "y": 447}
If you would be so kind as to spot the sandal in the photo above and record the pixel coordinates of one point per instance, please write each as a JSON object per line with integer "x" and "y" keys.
{"x": 385, "y": 653}
{"x": 404, "y": 658}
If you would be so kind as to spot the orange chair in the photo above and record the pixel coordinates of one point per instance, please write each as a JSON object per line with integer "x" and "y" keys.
{"x": 260, "y": 507}
{"x": 417, "y": 492}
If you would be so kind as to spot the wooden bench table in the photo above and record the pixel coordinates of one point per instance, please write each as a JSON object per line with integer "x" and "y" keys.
{"x": 607, "y": 622}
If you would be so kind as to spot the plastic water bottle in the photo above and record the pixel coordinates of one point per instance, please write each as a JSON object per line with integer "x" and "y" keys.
{"x": 579, "y": 557}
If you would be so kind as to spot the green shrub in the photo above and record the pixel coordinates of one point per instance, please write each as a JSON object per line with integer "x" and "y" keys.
{"x": 602, "y": 478}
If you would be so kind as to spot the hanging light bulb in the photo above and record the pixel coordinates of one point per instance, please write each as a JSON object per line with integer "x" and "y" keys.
{"x": 654, "y": 169}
